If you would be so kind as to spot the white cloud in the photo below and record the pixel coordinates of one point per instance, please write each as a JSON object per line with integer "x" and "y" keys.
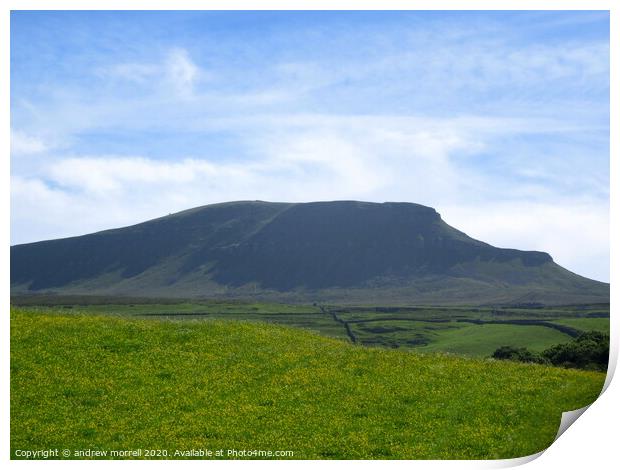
{"x": 181, "y": 72}
{"x": 175, "y": 71}
{"x": 102, "y": 174}
{"x": 575, "y": 232}
{"x": 40, "y": 212}
{"x": 133, "y": 72}
{"x": 321, "y": 161}
{"x": 22, "y": 143}
{"x": 453, "y": 67}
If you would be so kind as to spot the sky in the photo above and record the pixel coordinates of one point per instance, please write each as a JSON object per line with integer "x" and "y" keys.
{"x": 498, "y": 120}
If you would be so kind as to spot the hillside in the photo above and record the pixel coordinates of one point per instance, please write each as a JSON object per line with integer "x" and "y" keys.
{"x": 109, "y": 383}
{"x": 344, "y": 251}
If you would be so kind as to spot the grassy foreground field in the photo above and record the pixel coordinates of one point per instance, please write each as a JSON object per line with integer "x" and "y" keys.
{"x": 114, "y": 383}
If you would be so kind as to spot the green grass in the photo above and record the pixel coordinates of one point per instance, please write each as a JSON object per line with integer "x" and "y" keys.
{"x": 586, "y": 324}
{"x": 483, "y": 340}
{"x": 106, "y": 382}
{"x": 456, "y": 337}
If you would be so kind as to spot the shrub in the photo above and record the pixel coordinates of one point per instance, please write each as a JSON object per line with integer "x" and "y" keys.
{"x": 590, "y": 350}
{"x": 511, "y": 353}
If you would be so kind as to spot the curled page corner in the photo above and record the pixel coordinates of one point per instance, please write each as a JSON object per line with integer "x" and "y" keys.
{"x": 568, "y": 418}
{"x": 517, "y": 461}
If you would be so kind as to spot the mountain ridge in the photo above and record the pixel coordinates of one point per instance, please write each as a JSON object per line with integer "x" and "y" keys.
{"x": 342, "y": 251}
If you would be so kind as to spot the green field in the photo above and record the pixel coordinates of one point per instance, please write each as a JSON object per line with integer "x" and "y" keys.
{"x": 483, "y": 340}
{"x": 84, "y": 381}
{"x": 473, "y": 331}
{"x": 457, "y": 338}
{"x": 586, "y": 324}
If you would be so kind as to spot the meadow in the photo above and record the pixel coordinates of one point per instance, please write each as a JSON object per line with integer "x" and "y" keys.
{"x": 84, "y": 380}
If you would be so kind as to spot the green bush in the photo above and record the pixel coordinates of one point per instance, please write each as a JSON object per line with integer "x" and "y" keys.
{"x": 589, "y": 350}
{"x": 518, "y": 354}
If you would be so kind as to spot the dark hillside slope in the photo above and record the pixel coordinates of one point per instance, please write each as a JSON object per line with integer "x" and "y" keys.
{"x": 327, "y": 251}
{"x": 133, "y": 250}
{"x": 344, "y": 244}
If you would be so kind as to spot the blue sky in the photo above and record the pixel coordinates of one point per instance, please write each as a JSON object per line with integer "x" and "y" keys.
{"x": 499, "y": 120}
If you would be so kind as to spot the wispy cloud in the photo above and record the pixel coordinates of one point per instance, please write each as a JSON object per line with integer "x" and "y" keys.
{"x": 181, "y": 72}
{"x": 22, "y": 143}
{"x": 175, "y": 72}
{"x": 133, "y": 72}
